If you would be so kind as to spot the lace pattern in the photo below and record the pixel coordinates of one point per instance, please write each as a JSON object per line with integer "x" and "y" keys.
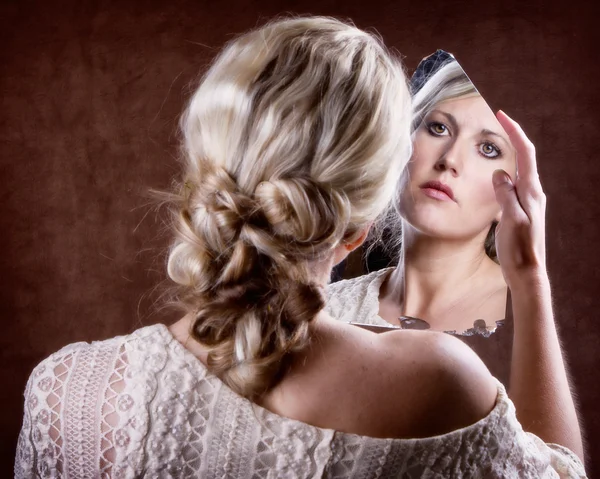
{"x": 356, "y": 301}
{"x": 143, "y": 406}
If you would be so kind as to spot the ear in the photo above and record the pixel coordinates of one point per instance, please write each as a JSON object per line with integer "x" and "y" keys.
{"x": 498, "y": 216}
{"x": 345, "y": 248}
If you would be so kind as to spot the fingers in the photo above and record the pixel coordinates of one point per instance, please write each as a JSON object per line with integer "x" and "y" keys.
{"x": 506, "y": 196}
{"x": 526, "y": 159}
{"x": 529, "y": 189}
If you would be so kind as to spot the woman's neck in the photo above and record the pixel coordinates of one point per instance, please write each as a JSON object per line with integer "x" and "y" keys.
{"x": 435, "y": 274}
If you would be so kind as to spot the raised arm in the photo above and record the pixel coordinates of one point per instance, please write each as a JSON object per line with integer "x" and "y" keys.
{"x": 539, "y": 385}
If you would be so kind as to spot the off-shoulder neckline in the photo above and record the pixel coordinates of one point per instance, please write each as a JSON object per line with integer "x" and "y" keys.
{"x": 170, "y": 341}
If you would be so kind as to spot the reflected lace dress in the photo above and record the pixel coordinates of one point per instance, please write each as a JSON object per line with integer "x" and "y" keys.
{"x": 142, "y": 405}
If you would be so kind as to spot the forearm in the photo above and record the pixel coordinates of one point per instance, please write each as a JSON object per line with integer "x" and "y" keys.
{"x": 539, "y": 385}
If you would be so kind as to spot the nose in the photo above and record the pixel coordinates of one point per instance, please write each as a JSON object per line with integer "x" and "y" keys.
{"x": 449, "y": 160}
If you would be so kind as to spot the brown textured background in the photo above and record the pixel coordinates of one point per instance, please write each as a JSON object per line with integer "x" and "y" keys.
{"x": 90, "y": 94}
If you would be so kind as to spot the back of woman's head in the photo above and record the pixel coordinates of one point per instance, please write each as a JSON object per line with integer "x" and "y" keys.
{"x": 293, "y": 143}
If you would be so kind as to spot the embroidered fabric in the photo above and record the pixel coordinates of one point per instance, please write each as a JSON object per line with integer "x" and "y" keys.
{"x": 143, "y": 406}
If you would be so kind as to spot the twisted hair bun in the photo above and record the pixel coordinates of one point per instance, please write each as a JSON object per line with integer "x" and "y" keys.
{"x": 300, "y": 210}
{"x": 293, "y": 142}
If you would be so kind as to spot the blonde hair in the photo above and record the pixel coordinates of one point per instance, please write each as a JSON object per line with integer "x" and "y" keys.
{"x": 449, "y": 82}
{"x": 293, "y": 142}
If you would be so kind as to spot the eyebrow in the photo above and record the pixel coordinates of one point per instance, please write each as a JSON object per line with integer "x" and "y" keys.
{"x": 447, "y": 115}
{"x": 485, "y": 131}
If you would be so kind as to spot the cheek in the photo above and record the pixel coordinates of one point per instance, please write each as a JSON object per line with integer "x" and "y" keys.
{"x": 483, "y": 197}
{"x": 404, "y": 187}
{"x": 423, "y": 157}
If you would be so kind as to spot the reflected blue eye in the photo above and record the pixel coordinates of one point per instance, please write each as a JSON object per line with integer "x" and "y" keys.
{"x": 489, "y": 150}
{"x": 437, "y": 129}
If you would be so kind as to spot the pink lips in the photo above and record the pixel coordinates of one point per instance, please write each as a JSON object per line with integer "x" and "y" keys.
{"x": 438, "y": 191}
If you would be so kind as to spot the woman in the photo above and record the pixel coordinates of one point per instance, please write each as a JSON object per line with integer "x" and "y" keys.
{"x": 292, "y": 150}
{"x": 447, "y": 277}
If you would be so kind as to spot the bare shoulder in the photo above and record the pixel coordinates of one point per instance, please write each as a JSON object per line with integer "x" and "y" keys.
{"x": 450, "y": 387}
{"x": 403, "y": 384}
{"x": 437, "y": 351}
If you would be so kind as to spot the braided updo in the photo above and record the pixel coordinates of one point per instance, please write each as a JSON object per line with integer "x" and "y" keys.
{"x": 293, "y": 143}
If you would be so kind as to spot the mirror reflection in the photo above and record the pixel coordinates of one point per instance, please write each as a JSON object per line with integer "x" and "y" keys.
{"x": 437, "y": 268}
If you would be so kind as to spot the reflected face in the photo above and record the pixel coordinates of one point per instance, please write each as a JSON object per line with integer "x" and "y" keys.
{"x": 447, "y": 187}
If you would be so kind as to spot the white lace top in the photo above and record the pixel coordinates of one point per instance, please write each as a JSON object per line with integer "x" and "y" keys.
{"x": 357, "y": 299}
{"x": 143, "y": 406}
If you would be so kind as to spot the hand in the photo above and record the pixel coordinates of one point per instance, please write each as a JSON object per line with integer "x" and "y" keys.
{"x": 521, "y": 232}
